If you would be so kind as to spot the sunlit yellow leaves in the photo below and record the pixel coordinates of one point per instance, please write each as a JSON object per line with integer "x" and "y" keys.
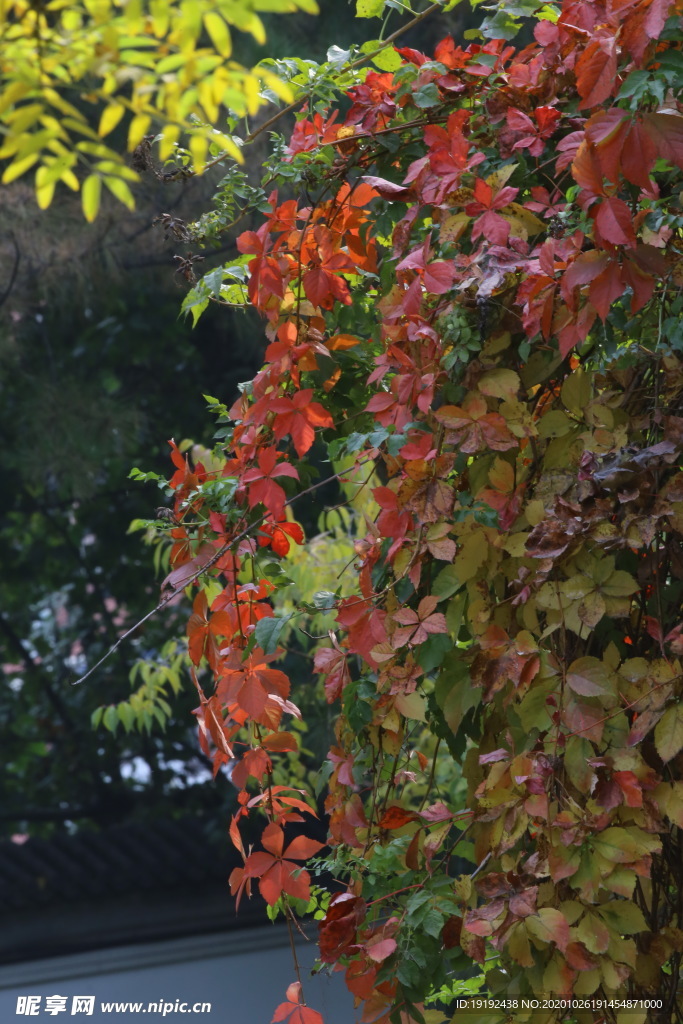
{"x": 172, "y": 52}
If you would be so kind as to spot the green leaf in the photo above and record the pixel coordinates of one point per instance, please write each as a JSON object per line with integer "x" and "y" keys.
{"x": 623, "y": 917}
{"x": 432, "y": 652}
{"x": 426, "y": 96}
{"x": 624, "y": 845}
{"x": 432, "y": 923}
{"x": 119, "y": 188}
{"x": 387, "y": 59}
{"x": 588, "y": 677}
{"x": 110, "y": 718}
{"x": 549, "y": 926}
{"x": 576, "y": 391}
{"x": 369, "y": 8}
{"x": 446, "y": 583}
{"x": 268, "y": 631}
{"x": 669, "y": 733}
{"x": 126, "y": 715}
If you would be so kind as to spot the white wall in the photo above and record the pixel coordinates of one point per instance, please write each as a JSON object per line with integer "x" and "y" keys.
{"x": 243, "y": 974}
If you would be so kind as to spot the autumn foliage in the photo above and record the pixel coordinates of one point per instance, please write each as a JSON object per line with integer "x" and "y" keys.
{"x": 471, "y": 285}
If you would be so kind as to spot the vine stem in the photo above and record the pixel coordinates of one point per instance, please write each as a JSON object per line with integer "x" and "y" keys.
{"x": 289, "y": 917}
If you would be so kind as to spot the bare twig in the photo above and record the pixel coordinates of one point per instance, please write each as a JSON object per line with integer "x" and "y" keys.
{"x": 195, "y": 576}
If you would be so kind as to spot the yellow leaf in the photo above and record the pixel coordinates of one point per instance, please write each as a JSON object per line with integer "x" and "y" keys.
{"x": 14, "y": 91}
{"x": 499, "y": 177}
{"x": 500, "y": 383}
{"x": 69, "y": 179}
{"x": 219, "y": 33}
{"x": 522, "y": 221}
{"x": 138, "y": 129}
{"x": 111, "y": 116}
{"x": 279, "y": 87}
{"x": 229, "y": 145}
{"x": 252, "y": 93}
{"x": 90, "y": 196}
{"x": 206, "y": 98}
{"x": 120, "y": 189}
{"x": 23, "y": 117}
{"x": 502, "y": 475}
{"x": 199, "y": 147}
{"x": 169, "y": 138}
{"x": 53, "y": 97}
{"x": 18, "y": 167}
{"x": 412, "y": 705}
{"x": 471, "y": 556}
{"x": 45, "y": 187}
{"x": 453, "y": 227}
{"x": 160, "y": 17}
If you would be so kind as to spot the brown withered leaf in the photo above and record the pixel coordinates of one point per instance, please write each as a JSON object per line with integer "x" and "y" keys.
{"x": 429, "y": 501}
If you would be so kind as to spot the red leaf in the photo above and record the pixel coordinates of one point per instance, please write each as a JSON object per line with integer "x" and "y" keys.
{"x": 638, "y": 155}
{"x": 345, "y": 914}
{"x": 615, "y": 223}
{"x": 606, "y": 287}
{"x": 387, "y": 189}
{"x": 587, "y": 170}
{"x": 579, "y": 958}
{"x": 302, "y": 848}
{"x": 380, "y": 951}
{"x": 596, "y": 71}
{"x": 281, "y": 741}
{"x": 666, "y": 132}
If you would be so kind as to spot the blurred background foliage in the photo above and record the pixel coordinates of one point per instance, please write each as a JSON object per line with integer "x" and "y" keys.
{"x": 97, "y": 368}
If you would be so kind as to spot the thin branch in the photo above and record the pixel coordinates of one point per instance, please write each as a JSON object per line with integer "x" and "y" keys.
{"x": 195, "y": 576}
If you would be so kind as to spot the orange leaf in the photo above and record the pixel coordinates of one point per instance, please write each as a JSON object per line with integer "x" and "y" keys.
{"x": 396, "y": 817}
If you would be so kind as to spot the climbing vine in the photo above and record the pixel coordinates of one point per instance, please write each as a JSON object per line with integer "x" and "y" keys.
{"x": 469, "y": 265}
